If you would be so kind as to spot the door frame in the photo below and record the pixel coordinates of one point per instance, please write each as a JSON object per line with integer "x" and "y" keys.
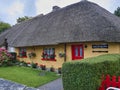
{"x": 73, "y": 51}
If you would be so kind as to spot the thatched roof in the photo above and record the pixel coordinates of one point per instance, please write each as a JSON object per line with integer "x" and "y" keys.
{"x": 80, "y": 22}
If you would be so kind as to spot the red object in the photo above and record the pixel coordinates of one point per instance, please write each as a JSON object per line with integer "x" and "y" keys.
{"x": 77, "y": 52}
{"x": 36, "y": 63}
{"x": 42, "y": 65}
{"x": 118, "y": 84}
{"x": 28, "y": 62}
{"x": 109, "y": 82}
{"x": 114, "y": 82}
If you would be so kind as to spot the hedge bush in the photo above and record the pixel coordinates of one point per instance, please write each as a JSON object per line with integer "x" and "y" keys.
{"x": 86, "y": 74}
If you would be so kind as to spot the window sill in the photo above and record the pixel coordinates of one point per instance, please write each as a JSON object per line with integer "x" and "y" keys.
{"x": 22, "y": 57}
{"x": 77, "y": 58}
{"x": 48, "y": 59}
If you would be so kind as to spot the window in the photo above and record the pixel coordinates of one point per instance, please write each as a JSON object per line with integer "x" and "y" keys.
{"x": 22, "y": 52}
{"x": 48, "y": 54}
{"x": 77, "y": 52}
{"x": 100, "y": 48}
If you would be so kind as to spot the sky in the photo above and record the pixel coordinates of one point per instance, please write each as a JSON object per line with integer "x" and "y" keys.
{"x": 11, "y": 10}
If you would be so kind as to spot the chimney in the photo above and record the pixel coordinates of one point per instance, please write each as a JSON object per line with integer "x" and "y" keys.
{"x": 83, "y": 0}
{"x": 55, "y": 8}
{"x": 6, "y": 44}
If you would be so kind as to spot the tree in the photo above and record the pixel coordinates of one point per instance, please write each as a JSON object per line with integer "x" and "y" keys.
{"x": 21, "y": 19}
{"x": 4, "y": 26}
{"x": 117, "y": 12}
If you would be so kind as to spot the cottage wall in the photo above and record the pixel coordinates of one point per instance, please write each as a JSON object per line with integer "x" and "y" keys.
{"x": 89, "y": 51}
{"x": 38, "y": 59}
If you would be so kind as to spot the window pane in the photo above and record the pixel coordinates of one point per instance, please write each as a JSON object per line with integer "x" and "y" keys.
{"x": 51, "y": 51}
{"x": 48, "y": 51}
{"x": 81, "y": 52}
{"x": 76, "y": 51}
{"x": 45, "y": 51}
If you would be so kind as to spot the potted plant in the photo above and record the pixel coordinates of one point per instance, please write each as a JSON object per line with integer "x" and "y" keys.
{"x": 44, "y": 55}
{"x": 59, "y": 70}
{"x": 62, "y": 54}
{"x": 34, "y": 65}
{"x": 52, "y": 69}
{"x": 43, "y": 67}
{"x": 52, "y": 56}
{"x": 32, "y": 54}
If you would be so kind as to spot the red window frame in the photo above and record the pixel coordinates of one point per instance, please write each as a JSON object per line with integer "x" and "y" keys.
{"x": 78, "y": 56}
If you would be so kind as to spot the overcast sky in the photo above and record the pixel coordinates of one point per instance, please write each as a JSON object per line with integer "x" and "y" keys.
{"x": 10, "y": 10}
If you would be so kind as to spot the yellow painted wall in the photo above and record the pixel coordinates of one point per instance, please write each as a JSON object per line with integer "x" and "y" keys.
{"x": 38, "y": 59}
{"x": 112, "y": 48}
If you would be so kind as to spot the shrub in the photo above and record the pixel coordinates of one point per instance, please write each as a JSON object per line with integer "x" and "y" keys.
{"x": 6, "y": 63}
{"x": 86, "y": 74}
{"x": 5, "y": 58}
{"x": 22, "y": 63}
{"x": 43, "y": 67}
{"x": 34, "y": 65}
{"x": 14, "y": 54}
{"x": 32, "y": 54}
{"x": 52, "y": 69}
{"x": 16, "y": 62}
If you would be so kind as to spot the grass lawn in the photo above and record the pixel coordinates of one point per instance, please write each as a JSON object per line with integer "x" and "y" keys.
{"x": 27, "y": 76}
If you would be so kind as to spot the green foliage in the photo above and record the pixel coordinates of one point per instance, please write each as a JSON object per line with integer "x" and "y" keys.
{"x": 43, "y": 67}
{"x": 34, "y": 65}
{"x": 7, "y": 63}
{"x": 4, "y": 26}
{"x": 5, "y": 58}
{"x": 21, "y": 19}
{"x": 32, "y": 54}
{"x": 52, "y": 69}
{"x": 27, "y": 76}
{"x": 117, "y": 12}
{"x": 22, "y": 63}
{"x": 86, "y": 74}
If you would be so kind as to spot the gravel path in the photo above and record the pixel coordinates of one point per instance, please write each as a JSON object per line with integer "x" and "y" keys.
{"x": 9, "y": 85}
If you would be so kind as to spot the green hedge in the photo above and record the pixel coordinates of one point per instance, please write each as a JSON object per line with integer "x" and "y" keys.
{"x": 86, "y": 74}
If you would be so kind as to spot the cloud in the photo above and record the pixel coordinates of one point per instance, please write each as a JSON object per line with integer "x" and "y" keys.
{"x": 103, "y": 3}
{"x": 12, "y": 11}
{"x": 115, "y": 5}
{"x": 45, "y": 6}
{"x": 16, "y": 8}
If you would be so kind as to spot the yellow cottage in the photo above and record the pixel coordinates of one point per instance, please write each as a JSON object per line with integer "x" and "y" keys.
{"x": 75, "y": 32}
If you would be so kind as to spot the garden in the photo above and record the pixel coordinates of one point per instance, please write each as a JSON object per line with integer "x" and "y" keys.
{"x": 23, "y": 73}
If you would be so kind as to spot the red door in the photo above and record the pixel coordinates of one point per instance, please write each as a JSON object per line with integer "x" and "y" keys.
{"x": 77, "y": 52}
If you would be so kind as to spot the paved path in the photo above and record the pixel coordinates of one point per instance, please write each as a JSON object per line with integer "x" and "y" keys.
{"x": 54, "y": 85}
{"x": 9, "y": 85}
